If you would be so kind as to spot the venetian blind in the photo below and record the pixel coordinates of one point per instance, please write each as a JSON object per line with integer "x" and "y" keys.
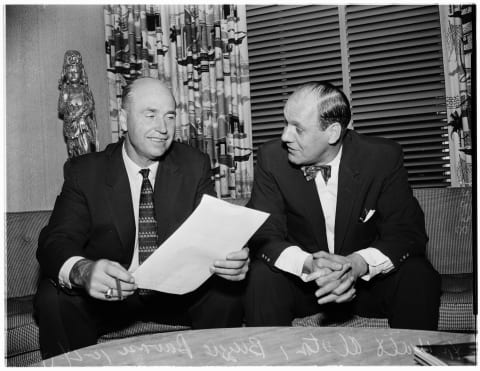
{"x": 397, "y": 86}
{"x": 394, "y": 71}
{"x": 288, "y": 46}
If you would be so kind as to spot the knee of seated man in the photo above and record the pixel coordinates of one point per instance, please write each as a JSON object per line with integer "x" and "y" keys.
{"x": 420, "y": 271}
{"x": 46, "y": 299}
{"x": 50, "y": 298}
{"x": 263, "y": 275}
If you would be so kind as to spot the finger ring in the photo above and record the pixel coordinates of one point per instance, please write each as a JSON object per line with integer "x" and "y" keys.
{"x": 109, "y": 293}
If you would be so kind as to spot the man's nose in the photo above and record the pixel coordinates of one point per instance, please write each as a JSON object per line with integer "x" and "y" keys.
{"x": 161, "y": 125}
{"x": 287, "y": 134}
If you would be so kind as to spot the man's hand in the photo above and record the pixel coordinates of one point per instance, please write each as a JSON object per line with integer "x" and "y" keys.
{"x": 96, "y": 277}
{"x": 336, "y": 284}
{"x": 235, "y": 267}
{"x": 321, "y": 263}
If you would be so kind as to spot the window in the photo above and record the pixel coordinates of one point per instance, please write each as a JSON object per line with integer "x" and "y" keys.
{"x": 391, "y": 69}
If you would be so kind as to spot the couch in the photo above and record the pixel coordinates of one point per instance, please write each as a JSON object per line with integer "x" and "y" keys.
{"x": 448, "y": 213}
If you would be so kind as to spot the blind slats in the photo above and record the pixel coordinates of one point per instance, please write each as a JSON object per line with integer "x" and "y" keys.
{"x": 368, "y": 114}
{"x": 392, "y": 32}
{"x": 287, "y": 69}
{"x": 420, "y": 98}
{"x": 289, "y": 82}
{"x": 294, "y": 45}
{"x": 286, "y": 14}
{"x": 425, "y": 89}
{"x": 400, "y": 75}
{"x": 394, "y": 43}
{"x": 394, "y": 53}
{"x": 327, "y": 59}
{"x": 399, "y": 59}
{"x": 412, "y": 129}
{"x": 419, "y": 81}
{"x": 407, "y": 67}
{"x": 385, "y": 21}
{"x": 361, "y": 14}
{"x": 307, "y": 27}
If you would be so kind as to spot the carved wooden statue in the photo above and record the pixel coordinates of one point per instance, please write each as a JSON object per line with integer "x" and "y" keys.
{"x": 76, "y": 107}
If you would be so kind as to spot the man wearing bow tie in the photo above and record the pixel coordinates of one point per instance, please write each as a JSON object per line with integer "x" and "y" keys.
{"x": 345, "y": 235}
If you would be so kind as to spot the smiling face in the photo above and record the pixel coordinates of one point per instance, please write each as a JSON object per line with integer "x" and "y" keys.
{"x": 307, "y": 142}
{"x": 149, "y": 120}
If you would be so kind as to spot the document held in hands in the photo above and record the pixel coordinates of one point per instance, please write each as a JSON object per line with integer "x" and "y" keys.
{"x": 214, "y": 229}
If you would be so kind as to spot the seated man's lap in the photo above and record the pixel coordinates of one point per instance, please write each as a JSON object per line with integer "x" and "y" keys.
{"x": 273, "y": 295}
{"x": 74, "y": 319}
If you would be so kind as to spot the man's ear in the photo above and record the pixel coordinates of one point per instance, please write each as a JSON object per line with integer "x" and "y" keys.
{"x": 123, "y": 119}
{"x": 335, "y": 130}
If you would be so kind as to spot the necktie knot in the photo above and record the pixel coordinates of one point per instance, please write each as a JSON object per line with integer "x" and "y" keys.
{"x": 145, "y": 173}
{"x": 310, "y": 172}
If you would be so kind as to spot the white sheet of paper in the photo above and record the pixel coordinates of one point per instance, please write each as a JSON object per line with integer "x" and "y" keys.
{"x": 214, "y": 229}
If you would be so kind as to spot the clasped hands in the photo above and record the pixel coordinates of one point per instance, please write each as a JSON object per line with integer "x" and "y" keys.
{"x": 335, "y": 275}
{"x": 99, "y": 278}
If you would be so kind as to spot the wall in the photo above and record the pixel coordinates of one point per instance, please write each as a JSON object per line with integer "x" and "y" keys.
{"x": 36, "y": 40}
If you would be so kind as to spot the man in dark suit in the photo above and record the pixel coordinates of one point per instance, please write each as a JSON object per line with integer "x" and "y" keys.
{"x": 346, "y": 234}
{"x": 97, "y": 234}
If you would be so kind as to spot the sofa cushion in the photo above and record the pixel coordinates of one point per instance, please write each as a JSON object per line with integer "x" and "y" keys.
{"x": 448, "y": 221}
{"x": 23, "y": 271}
{"x": 456, "y": 303}
{"x": 25, "y": 359}
{"x": 22, "y": 334}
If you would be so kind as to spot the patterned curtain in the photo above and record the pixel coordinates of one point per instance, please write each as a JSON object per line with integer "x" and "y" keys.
{"x": 200, "y": 52}
{"x": 456, "y": 24}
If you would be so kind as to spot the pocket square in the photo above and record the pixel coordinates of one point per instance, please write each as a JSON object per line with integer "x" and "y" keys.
{"x": 367, "y": 215}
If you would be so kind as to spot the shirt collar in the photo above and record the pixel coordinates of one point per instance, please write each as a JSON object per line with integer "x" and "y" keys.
{"x": 133, "y": 169}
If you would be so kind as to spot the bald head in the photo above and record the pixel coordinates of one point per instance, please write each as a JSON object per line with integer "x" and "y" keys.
{"x": 142, "y": 87}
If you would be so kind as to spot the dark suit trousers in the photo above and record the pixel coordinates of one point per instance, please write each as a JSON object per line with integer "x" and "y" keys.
{"x": 408, "y": 296}
{"x": 71, "y": 319}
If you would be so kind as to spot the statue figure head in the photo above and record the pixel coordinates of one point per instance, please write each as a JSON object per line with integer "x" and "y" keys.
{"x": 73, "y": 71}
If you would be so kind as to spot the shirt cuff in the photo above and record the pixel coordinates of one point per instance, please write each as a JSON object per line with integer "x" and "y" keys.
{"x": 377, "y": 262}
{"x": 291, "y": 260}
{"x": 64, "y": 274}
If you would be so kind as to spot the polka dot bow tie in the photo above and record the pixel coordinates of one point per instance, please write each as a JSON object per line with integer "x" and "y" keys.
{"x": 311, "y": 171}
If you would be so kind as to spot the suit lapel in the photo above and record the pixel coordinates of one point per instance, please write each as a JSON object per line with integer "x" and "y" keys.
{"x": 349, "y": 182}
{"x": 306, "y": 196}
{"x": 120, "y": 198}
{"x": 167, "y": 184}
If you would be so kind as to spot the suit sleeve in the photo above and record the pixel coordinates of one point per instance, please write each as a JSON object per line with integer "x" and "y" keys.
{"x": 401, "y": 223}
{"x": 271, "y": 238}
{"x": 205, "y": 183}
{"x": 67, "y": 231}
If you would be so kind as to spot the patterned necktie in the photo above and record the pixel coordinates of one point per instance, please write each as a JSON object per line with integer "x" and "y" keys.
{"x": 311, "y": 171}
{"x": 147, "y": 224}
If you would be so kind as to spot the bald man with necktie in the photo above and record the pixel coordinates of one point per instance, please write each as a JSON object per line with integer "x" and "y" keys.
{"x": 115, "y": 208}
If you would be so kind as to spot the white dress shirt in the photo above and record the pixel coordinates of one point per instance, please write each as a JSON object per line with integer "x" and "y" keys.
{"x": 293, "y": 258}
{"x": 135, "y": 179}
